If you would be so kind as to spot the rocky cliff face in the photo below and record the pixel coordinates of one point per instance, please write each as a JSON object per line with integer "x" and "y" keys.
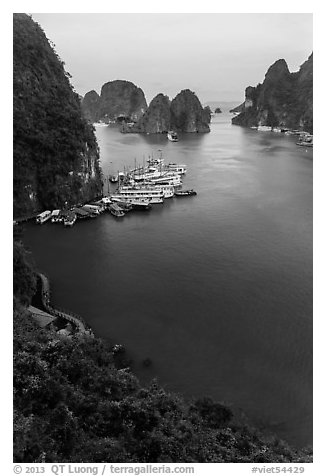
{"x": 90, "y": 104}
{"x": 56, "y": 157}
{"x": 284, "y": 99}
{"x": 187, "y": 114}
{"x": 183, "y": 114}
{"x": 207, "y": 114}
{"x": 118, "y": 99}
{"x": 157, "y": 118}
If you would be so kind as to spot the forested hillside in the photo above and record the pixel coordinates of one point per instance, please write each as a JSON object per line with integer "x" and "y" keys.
{"x": 56, "y": 158}
{"x": 74, "y": 401}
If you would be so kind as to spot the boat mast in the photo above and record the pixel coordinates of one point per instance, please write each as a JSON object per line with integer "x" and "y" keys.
{"x": 108, "y": 179}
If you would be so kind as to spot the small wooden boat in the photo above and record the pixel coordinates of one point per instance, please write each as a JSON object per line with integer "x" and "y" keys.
{"x": 56, "y": 216}
{"x": 185, "y": 193}
{"x": 115, "y": 210}
{"x": 43, "y": 217}
{"x": 125, "y": 206}
{"x": 172, "y": 136}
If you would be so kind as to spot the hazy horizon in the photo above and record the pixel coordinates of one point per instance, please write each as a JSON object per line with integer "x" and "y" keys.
{"x": 216, "y": 55}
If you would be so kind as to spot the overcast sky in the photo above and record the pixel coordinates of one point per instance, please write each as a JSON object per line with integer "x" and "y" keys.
{"x": 216, "y": 55}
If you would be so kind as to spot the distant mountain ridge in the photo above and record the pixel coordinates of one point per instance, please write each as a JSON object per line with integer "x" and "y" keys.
{"x": 284, "y": 99}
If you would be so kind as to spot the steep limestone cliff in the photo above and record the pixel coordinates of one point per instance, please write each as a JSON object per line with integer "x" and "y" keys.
{"x": 183, "y": 114}
{"x": 239, "y": 108}
{"x": 157, "y": 118}
{"x": 56, "y": 157}
{"x": 187, "y": 114}
{"x": 90, "y": 104}
{"x": 284, "y": 99}
{"x": 208, "y": 114}
{"x": 118, "y": 98}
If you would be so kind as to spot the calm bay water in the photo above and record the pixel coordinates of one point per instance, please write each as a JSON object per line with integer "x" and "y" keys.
{"x": 215, "y": 289}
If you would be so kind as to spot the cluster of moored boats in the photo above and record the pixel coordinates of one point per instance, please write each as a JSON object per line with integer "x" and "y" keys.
{"x": 142, "y": 187}
{"x": 69, "y": 217}
{"x": 138, "y": 189}
{"x": 305, "y": 139}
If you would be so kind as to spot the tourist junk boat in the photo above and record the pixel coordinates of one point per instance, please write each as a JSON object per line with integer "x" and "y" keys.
{"x": 170, "y": 167}
{"x": 147, "y": 173}
{"x": 158, "y": 177}
{"x": 141, "y": 204}
{"x": 115, "y": 210}
{"x": 130, "y": 193}
{"x": 177, "y": 168}
{"x": 168, "y": 190}
{"x": 157, "y": 170}
{"x": 185, "y": 193}
{"x": 174, "y": 180}
{"x": 172, "y": 136}
{"x": 43, "y": 217}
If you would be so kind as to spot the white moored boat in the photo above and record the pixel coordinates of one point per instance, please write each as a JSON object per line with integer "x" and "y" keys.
{"x": 158, "y": 173}
{"x": 168, "y": 190}
{"x": 172, "y": 136}
{"x": 173, "y": 179}
{"x": 56, "y": 216}
{"x": 43, "y": 217}
{"x": 130, "y": 193}
{"x": 147, "y": 174}
{"x": 178, "y": 168}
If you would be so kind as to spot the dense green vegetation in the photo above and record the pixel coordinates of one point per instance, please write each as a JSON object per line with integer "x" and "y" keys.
{"x": 24, "y": 275}
{"x": 55, "y": 151}
{"x": 74, "y": 403}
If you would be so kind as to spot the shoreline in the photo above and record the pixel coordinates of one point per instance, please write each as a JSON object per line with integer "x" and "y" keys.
{"x": 81, "y": 326}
